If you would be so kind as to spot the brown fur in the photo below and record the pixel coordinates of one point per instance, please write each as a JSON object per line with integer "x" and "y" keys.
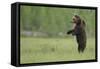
{"x": 79, "y": 31}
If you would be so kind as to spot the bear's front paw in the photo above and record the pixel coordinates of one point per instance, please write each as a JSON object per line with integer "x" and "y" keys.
{"x": 68, "y": 32}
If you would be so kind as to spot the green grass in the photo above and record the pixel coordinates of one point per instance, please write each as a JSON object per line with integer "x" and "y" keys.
{"x": 37, "y": 50}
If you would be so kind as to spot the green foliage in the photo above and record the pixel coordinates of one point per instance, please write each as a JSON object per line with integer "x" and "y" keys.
{"x": 54, "y": 21}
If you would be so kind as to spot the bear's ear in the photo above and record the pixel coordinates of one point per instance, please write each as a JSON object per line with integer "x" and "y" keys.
{"x": 83, "y": 22}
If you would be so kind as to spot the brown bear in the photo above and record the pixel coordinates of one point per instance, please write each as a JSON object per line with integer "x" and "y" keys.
{"x": 79, "y": 31}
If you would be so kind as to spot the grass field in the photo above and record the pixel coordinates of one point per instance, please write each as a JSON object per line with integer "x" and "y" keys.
{"x": 36, "y": 50}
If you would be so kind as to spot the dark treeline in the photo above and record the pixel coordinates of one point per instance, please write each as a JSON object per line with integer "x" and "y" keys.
{"x": 50, "y": 21}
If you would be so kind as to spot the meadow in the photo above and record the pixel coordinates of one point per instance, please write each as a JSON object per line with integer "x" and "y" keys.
{"x": 43, "y": 34}
{"x": 37, "y": 50}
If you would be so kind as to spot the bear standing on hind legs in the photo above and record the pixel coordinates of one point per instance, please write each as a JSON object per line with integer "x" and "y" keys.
{"x": 79, "y": 31}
